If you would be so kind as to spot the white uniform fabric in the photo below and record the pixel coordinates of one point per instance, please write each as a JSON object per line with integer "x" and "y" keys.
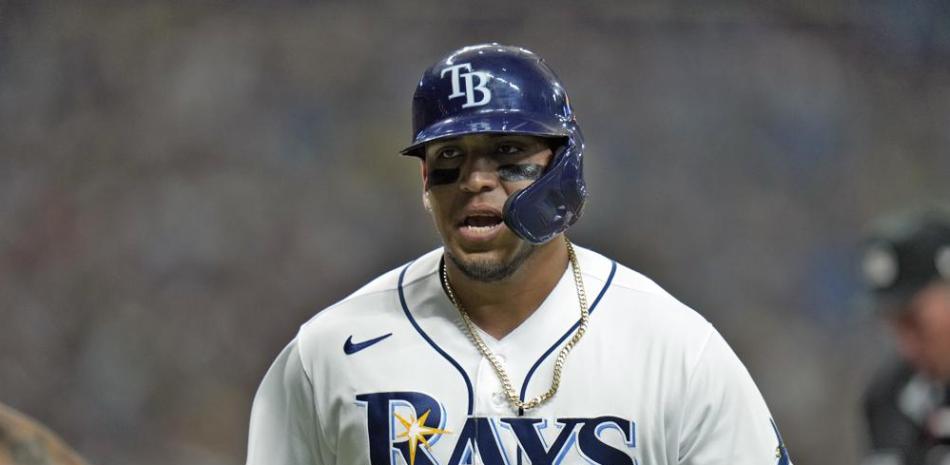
{"x": 651, "y": 382}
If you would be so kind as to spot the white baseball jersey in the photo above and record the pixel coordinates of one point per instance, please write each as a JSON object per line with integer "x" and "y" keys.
{"x": 388, "y": 376}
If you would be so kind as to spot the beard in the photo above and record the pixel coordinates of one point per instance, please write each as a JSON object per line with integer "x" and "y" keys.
{"x": 488, "y": 271}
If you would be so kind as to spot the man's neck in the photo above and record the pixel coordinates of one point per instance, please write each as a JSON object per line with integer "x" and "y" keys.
{"x": 501, "y": 306}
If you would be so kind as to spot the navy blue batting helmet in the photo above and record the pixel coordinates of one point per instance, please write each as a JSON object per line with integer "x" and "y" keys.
{"x": 499, "y": 89}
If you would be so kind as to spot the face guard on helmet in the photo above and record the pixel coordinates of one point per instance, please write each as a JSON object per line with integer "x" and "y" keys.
{"x": 498, "y": 89}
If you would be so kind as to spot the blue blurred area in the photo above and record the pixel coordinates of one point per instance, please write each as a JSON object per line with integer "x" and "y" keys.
{"x": 183, "y": 184}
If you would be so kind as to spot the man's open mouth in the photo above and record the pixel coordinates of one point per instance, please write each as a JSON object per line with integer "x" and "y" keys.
{"x": 481, "y": 221}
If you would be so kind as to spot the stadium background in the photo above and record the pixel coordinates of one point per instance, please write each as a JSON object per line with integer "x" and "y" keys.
{"x": 182, "y": 184}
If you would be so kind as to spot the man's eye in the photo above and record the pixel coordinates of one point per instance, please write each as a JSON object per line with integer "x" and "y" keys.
{"x": 508, "y": 149}
{"x": 449, "y": 153}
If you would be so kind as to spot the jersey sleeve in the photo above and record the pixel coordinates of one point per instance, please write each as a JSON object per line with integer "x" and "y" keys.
{"x": 725, "y": 421}
{"x": 284, "y": 426}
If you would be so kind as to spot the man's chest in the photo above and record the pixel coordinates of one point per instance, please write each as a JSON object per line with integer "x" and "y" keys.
{"x": 416, "y": 404}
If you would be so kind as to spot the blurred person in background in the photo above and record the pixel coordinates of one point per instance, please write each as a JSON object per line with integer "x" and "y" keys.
{"x": 23, "y": 441}
{"x": 906, "y": 266}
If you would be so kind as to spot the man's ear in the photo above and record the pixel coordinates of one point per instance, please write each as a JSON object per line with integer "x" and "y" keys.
{"x": 425, "y": 187}
{"x": 425, "y": 176}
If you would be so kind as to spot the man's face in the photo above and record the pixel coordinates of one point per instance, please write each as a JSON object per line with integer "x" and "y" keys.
{"x": 467, "y": 181}
{"x": 923, "y": 331}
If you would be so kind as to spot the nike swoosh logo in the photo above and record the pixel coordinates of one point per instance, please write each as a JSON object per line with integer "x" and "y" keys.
{"x": 350, "y": 347}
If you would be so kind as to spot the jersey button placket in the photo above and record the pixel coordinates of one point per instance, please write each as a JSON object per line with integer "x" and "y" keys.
{"x": 498, "y": 400}
{"x": 491, "y": 394}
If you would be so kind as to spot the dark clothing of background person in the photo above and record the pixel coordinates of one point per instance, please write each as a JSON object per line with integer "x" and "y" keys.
{"x": 908, "y": 418}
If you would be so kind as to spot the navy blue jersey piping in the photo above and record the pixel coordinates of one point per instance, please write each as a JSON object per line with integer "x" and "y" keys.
{"x": 527, "y": 378}
{"x": 405, "y": 308}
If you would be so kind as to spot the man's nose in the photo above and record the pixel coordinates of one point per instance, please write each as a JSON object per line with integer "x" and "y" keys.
{"x": 479, "y": 174}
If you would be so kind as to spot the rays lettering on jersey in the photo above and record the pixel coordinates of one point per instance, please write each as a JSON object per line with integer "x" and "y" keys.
{"x": 404, "y": 427}
{"x": 467, "y": 79}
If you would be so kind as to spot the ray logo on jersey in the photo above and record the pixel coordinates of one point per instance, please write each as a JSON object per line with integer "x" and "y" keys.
{"x": 405, "y": 427}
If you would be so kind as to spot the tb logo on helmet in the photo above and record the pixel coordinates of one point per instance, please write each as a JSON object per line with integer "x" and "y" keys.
{"x": 471, "y": 87}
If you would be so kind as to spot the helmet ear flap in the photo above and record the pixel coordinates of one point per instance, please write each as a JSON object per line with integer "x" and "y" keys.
{"x": 554, "y": 202}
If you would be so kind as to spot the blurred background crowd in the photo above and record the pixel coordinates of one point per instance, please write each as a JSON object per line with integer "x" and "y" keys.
{"x": 182, "y": 184}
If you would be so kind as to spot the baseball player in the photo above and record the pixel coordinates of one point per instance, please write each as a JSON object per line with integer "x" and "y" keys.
{"x": 907, "y": 270}
{"x": 509, "y": 345}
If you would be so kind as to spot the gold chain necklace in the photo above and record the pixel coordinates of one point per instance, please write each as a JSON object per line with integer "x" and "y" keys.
{"x": 510, "y": 392}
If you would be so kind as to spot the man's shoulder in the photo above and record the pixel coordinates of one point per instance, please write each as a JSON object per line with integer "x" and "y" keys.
{"x": 637, "y": 289}
{"x": 620, "y": 276}
{"x": 375, "y": 304}
{"x": 632, "y": 296}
